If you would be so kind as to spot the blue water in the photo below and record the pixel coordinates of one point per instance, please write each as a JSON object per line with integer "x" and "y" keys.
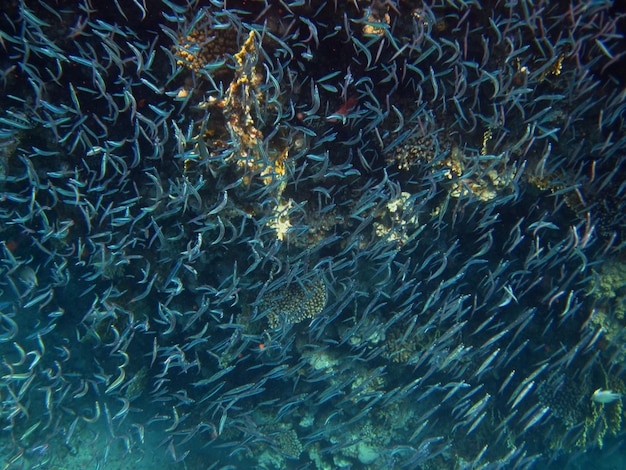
{"x": 312, "y": 235}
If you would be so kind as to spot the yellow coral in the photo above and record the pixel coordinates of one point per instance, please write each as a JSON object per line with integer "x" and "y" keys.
{"x": 554, "y": 69}
{"x": 247, "y": 52}
{"x": 202, "y": 47}
{"x": 280, "y": 219}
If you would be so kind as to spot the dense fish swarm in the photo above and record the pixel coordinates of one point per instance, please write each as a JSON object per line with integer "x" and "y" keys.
{"x": 311, "y": 234}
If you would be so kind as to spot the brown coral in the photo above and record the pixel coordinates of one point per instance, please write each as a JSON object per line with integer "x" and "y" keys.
{"x": 294, "y": 303}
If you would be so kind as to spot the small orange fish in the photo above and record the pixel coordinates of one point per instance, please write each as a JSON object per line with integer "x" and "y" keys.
{"x": 344, "y": 109}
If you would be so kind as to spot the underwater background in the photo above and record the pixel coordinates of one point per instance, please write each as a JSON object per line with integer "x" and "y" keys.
{"x": 312, "y": 235}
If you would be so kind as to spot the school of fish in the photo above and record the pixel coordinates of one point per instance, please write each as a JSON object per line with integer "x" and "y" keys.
{"x": 311, "y": 234}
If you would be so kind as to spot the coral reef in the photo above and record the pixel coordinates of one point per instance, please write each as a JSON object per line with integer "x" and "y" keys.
{"x": 296, "y": 302}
